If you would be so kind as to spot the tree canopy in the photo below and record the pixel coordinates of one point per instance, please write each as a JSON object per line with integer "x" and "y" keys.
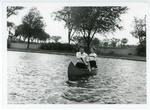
{"x": 10, "y": 26}
{"x": 13, "y": 10}
{"x": 124, "y": 41}
{"x": 56, "y": 38}
{"x": 91, "y": 20}
{"x": 21, "y": 31}
{"x": 139, "y": 29}
{"x": 32, "y": 25}
{"x": 114, "y": 41}
{"x": 81, "y": 41}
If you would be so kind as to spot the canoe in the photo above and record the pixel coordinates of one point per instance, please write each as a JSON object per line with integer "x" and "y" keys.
{"x": 73, "y": 71}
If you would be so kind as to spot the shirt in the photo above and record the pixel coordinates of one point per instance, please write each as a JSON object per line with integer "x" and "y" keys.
{"x": 83, "y": 56}
{"x": 92, "y": 56}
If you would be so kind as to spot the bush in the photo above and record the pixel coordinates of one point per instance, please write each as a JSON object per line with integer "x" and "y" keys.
{"x": 129, "y": 53}
{"x": 141, "y": 49}
{"x": 58, "y": 46}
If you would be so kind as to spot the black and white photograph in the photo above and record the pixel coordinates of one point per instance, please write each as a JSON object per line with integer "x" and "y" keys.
{"x": 75, "y": 53}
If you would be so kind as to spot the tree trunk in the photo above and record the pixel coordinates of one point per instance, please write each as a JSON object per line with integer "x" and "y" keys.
{"x": 140, "y": 40}
{"x": 28, "y": 42}
{"x": 19, "y": 38}
{"x": 88, "y": 44}
{"x": 69, "y": 35}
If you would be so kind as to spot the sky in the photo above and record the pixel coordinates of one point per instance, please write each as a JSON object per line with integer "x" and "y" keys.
{"x": 56, "y": 28}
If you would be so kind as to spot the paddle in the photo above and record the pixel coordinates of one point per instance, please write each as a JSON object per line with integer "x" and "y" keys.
{"x": 89, "y": 66}
{"x": 85, "y": 64}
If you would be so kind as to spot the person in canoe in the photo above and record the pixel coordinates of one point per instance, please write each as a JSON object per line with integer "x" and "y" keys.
{"x": 81, "y": 58}
{"x": 92, "y": 58}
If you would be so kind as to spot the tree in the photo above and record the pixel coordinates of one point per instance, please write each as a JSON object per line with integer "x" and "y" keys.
{"x": 13, "y": 10}
{"x": 32, "y": 24}
{"x": 141, "y": 48}
{"x": 56, "y": 38}
{"x": 21, "y": 31}
{"x": 114, "y": 41}
{"x": 65, "y": 15}
{"x": 42, "y": 36}
{"x": 106, "y": 42}
{"x": 10, "y": 26}
{"x": 49, "y": 38}
{"x": 139, "y": 29}
{"x": 95, "y": 42}
{"x": 37, "y": 34}
{"x": 78, "y": 40}
{"x": 92, "y": 20}
{"x": 124, "y": 41}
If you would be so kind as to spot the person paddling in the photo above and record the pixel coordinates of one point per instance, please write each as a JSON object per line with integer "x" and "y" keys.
{"x": 92, "y": 58}
{"x": 81, "y": 58}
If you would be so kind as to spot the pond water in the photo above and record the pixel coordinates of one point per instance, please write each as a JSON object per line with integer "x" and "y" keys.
{"x": 36, "y": 78}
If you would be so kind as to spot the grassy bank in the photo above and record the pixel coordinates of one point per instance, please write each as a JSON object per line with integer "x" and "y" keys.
{"x": 125, "y": 57}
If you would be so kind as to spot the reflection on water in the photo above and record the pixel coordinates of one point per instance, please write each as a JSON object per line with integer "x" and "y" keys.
{"x": 35, "y": 78}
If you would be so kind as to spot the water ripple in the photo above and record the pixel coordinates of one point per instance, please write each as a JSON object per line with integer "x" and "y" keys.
{"x": 35, "y": 78}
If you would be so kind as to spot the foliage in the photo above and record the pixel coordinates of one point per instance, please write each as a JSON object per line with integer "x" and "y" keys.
{"x": 65, "y": 15}
{"x": 106, "y": 42}
{"x": 81, "y": 41}
{"x": 56, "y": 38}
{"x": 114, "y": 41}
{"x": 10, "y": 24}
{"x": 78, "y": 40}
{"x": 40, "y": 34}
{"x": 58, "y": 46}
{"x": 124, "y": 41}
{"x": 141, "y": 48}
{"x": 13, "y": 10}
{"x": 44, "y": 36}
{"x": 37, "y": 34}
{"x": 10, "y": 27}
{"x": 139, "y": 29}
{"x": 21, "y": 31}
{"x": 32, "y": 24}
{"x": 95, "y": 42}
{"x": 92, "y": 20}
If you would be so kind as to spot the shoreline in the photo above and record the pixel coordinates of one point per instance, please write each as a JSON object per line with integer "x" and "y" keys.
{"x": 124, "y": 57}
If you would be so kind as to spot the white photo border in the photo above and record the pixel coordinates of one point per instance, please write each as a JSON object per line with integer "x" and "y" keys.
{"x": 3, "y": 56}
